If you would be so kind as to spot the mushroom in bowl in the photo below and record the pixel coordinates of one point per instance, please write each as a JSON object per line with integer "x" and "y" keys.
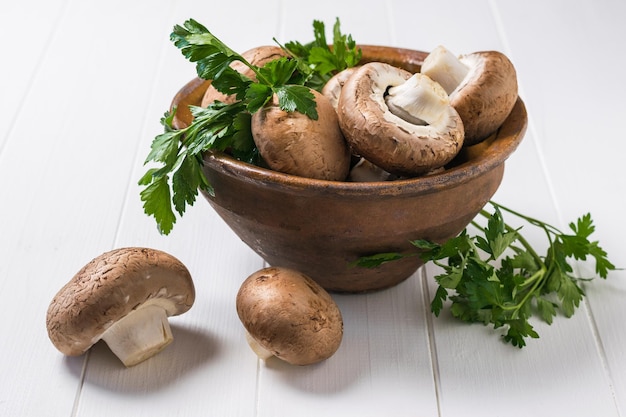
{"x": 322, "y": 227}
{"x": 401, "y": 122}
{"x": 293, "y": 143}
{"x": 482, "y": 87}
{"x": 258, "y": 56}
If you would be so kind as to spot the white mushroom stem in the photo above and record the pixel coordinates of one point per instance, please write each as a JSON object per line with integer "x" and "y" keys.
{"x": 418, "y": 101}
{"x": 445, "y": 68}
{"x": 365, "y": 171}
{"x": 256, "y": 347}
{"x": 139, "y": 335}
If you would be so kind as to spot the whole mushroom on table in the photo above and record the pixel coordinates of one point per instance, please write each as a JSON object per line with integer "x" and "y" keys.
{"x": 288, "y": 315}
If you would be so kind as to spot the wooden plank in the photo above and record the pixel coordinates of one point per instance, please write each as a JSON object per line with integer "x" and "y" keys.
{"x": 65, "y": 191}
{"x": 383, "y": 366}
{"x": 28, "y": 27}
{"x": 209, "y": 366}
{"x": 35, "y": 226}
{"x": 532, "y": 377}
{"x": 460, "y": 26}
{"x": 578, "y": 149}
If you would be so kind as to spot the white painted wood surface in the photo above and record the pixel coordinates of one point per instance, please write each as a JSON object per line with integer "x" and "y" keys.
{"x": 82, "y": 87}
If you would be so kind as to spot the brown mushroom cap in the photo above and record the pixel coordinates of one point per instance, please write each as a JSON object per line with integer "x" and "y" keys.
{"x": 290, "y": 315}
{"x": 484, "y": 92}
{"x": 332, "y": 88}
{"x": 293, "y": 143}
{"x": 389, "y": 141}
{"x": 258, "y": 56}
{"x": 110, "y": 287}
{"x": 487, "y": 94}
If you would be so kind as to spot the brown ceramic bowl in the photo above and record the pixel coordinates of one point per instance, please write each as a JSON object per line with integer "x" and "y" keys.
{"x": 321, "y": 227}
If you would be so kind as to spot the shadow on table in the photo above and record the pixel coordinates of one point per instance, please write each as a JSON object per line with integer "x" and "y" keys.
{"x": 323, "y": 378}
{"x": 190, "y": 349}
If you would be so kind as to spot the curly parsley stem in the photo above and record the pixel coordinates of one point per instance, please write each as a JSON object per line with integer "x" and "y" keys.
{"x": 545, "y": 226}
{"x": 509, "y": 228}
{"x": 513, "y": 283}
{"x": 537, "y": 278}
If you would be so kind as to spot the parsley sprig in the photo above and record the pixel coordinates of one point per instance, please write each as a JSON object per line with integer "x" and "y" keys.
{"x": 173, "y": 184}
{"x": 318, "y": 61}
{"x": 498, "y": 279}
{"x": 219, "y": 126}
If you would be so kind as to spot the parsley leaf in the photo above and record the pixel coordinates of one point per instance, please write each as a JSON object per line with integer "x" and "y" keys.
{"x": 502, "y": 281}
{"x": 319, "y": 61}
{"x": 496, "y": 277}
{"x": 297, "y": 97}
{"x": 156, "y": 198}
{"x": 378, "y": 259}
{"x": 174, "y": 185}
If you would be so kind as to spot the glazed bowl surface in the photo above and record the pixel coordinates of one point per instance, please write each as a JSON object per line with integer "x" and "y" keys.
{"x": 321, "y": 227}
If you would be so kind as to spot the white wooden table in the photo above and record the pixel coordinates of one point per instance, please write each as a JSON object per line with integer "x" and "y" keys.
{"x": 82, "y": 87}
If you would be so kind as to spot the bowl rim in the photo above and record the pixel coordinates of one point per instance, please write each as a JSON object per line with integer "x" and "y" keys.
{"x": 496, "y": 149}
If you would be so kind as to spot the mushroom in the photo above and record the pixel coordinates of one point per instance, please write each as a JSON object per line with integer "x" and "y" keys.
{"x": 332, "y": 88}
{"x": 288, "y": 315}
{"x": 365, "y": 171}
{"x": 123, "y": 297}
{"x": 482, "y": 87}
{"x": 293, "y": 143}
{"x": 257, "y": 56}
{"x": 399, "y": 121}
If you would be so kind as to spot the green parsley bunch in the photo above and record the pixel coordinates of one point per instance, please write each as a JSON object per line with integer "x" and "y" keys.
{"x": 174, "y": 183}
{"x": 498, "y": 279}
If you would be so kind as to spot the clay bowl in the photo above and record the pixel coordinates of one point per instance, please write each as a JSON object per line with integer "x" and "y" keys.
{"x": 321, "y": 227}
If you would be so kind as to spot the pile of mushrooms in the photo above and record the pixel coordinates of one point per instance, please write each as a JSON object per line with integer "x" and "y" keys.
{"x": 393, "y": 122}
{"x": 123, "y": 297}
